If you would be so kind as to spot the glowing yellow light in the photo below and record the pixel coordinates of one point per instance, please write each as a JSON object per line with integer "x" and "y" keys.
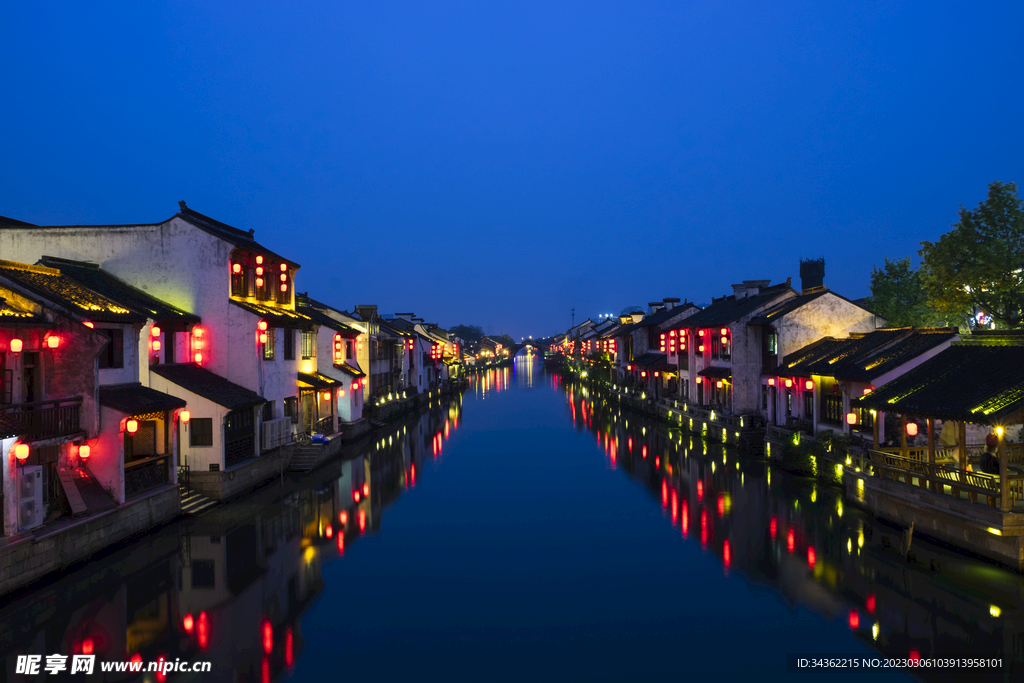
{"x": 994, "y": 611}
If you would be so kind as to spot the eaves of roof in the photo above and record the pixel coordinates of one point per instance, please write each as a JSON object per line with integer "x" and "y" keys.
{"x": 277, "y": 317}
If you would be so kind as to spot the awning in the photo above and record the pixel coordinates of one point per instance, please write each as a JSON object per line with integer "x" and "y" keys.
{"x": 716, "y": 372}
{"x": 349, "y": 370}
{"x": 208, "y": 385}
{"x": 318, "y": 381}
{"x": 135, "y": 399}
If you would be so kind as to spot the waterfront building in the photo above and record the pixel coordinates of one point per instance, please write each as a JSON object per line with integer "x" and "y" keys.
{"x": 643, "y": 355}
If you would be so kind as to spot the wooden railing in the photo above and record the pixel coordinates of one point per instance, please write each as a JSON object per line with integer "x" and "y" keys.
{"x": 324, "y": 425}
{"x": 937, "y": 477}
{"x": 1014, "y": 452}
{"x": 47, "y": 419}
{"x": 146, "y": 474}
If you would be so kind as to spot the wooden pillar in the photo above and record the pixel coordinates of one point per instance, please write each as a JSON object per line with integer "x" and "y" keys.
{"x": 1004, "y": 481}
{"x": 903, "y": 435}
{"x": 874, "y": 428}
{"x": 962, "y": 439}
{"x": 931, "y": 440}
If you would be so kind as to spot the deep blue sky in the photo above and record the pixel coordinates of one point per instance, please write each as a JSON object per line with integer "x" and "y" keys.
{"x": 498, "y": 163}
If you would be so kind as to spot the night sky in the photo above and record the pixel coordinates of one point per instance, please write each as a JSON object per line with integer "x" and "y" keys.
{"x": 499, "y": 163}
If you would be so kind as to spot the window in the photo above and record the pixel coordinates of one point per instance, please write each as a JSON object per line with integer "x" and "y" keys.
{"x": 308, "y": 344}
{"x": 200, "y": 431}
{"x": 240, "y": 283}
{"x": 6, "y": 382}
{"x": 268, "y": 411}
{"x": 169, "y": 338}
{"x": 291, "y": 409}
{"x": 203, "y": 574}
{"x": 268, "y": 347}
{"x": 808, "y": 405}
{"x": 285, "y": 296}
{"x": 348, "y": 350}
{"x": 289, "y": 344}
{"x": 112, "y": 355}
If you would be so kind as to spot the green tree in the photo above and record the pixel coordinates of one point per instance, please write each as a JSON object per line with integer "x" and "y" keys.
{"x": 470, "y": 333}
{"x": 979, "y": 265}
{"x": 898, "y": 295}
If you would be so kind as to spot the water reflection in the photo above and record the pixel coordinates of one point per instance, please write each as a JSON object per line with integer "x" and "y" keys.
{"x": 230, "y": 587}
{"x": 798, "y": 538}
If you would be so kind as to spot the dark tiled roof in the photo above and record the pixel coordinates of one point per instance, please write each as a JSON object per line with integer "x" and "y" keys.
{"x": 240, "y": 238}
{"x": 729, "y": 309}
{"x": 13, "y": 315}
{"x": 656, "y": 319}
{"x": 10, "y": 426}
{"x": 649, "y": 360}
{"x": 349, "y": 370}
{"x": 135, "y": 399}
{"x": 864, "y": 357}
{"x": 202, "y": 382}
{"x": 716, "y": 372}
{"x": 53, "y": 285}
{"x": 318, "y": 381}
{"x": 325, "y": 320}
{"x": 10, "y": 222}
{"x": 98, "y": 280}
{"x": 277, "y": 317}
{"x": 966, "y": 382}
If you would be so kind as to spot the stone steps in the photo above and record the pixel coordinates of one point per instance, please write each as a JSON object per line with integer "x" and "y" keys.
{"x": 193, "y": 502}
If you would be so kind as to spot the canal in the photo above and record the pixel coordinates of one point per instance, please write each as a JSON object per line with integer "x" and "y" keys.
{"x": 527, "y": 530}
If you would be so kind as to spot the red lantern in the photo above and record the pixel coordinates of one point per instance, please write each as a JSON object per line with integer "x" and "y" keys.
{"x": 643, "y": 373}
{"x": 771, "y": 381}
{"x": 16, "y": 345}
{"x": 156, "y": 345}
{"x": 53, "y": 342}
{"x": 725, "y": 331}
{"x": 185, "y": 416}
{"x": 701, "y": 348}
{"x": 132, "y": 426}
{"x": 809, "y": 385}
{"x": 284, "y": 287}
{"x": 851, "y": 418}
{"x": 284, "y": 277}
{"x": 718, "y": 384}
{"x": 263, "y": 338}
{"x": 789, "y": 383}
{"x": 21, "y": 451}
{"x": 868, "y": 390}
{"x": 84, "y": 451}
{"x": 262, "y": 325}
{"x": 911, "y": 429}
{"x": 700, "y": 332}
{"x": 259, "y": 260}
{"x": 326, "y": 396}
{"x": 355, "y": 384}
{"x": 259, "y": 282}
{"x": 284, "y": 266}
{"x": 236, "y": 268}
{"x": 198, "y": 358}
{"x": 700, "y": 380}
{"x": 259, "y": 270}
{"x": 154, "y": 331}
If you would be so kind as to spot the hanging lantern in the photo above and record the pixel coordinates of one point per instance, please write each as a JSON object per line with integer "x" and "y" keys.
{"x": 326, "y": 396}
{"x": 809, "y": 385}
{"x": 53, "y": 342}
{"x": 259, "y": 260}
{"x": 284, "y": 277}
{"x": 198, "y": 358}
{"x": 725, "y": 340}
{"x": 236, "y": 268}
{"x": 156, "y": 344}
{"x": 700, "y": 333}
{"x": 262, "y": 325}
{"x": 132, "y": 425}
{"x": 259, "y": 270}
{"x": 284, "y": 267}
{"x": 789, "y": 383}
{"x": 771, "y": 381}
{"x": 341, "y": 393}
{"x": 911, "y": 429}
{"x": 21, "y": 451}
{"x": 700, "y": 380}
{"x": 16, "y": 345}
{"x": 725, "y": 331}
{"x": 851, "y": 418}
{"x": 701, "y": 348}
{"x": 185, "y": 416}
{"x": 355, "y": 384}
{"x": 718, "y": 384}
{"x": 154, "y": 331}
{"x": 284, "y": 287}
{"x": 259, "y": 282}
{"x": 263, "y": 338}
{"x": 84, "y": 451}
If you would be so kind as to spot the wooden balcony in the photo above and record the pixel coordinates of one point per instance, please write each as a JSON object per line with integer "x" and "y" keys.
{"x": 47, "y": 419}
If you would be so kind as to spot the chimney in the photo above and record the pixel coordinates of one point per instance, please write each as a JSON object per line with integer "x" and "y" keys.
{"x": 671, "y": 302}
{"x": 366, "y": 312}
{"x": 656, "y": 306}
{"x": 812, "y": 274}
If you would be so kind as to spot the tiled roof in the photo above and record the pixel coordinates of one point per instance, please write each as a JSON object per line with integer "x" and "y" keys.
{"x": 208, "y": 385}
{"x": 54, "y": 286}
{"x": 240, "y": 238}
{"x": 135, "y": 399}
{"x": 318, "y": 381}
{"x": 729, "y": 309}
{"x": 277, "y": 317}
{"x": 970, "y": 382}
{"x": 716, "y": 372}
{"x": 656, "y": 319}
{"x": 864, "y": 357}
{"x": 13, "y": 315}
{"x": 649, "y": 360}
{"x": 349, "y": 370}
{"x": 98, "y": 280}
{"x": 10, "y": 426}
{"x": 13, "y": 222}
{"x": 325, "y": 320}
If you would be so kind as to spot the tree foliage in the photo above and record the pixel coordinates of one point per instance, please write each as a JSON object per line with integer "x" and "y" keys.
{"x": 470, "y": 333}
{"x": 980, "y": 263}
{"x": 898, "y": 295}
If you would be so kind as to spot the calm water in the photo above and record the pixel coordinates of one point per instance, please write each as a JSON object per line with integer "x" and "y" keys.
{"x": 526, "y": 531}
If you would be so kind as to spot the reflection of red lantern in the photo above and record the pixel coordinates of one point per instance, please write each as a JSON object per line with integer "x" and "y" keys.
{"x": 132, "y": 426}
{"x": 911, "y": 429}
{"x": 854, "y": 619}
{"x": 188, "y": 622}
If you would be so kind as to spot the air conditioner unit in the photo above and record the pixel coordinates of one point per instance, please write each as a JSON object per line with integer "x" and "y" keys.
{"x": 277, "y": 432}
{"x": 30, "y": 497}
